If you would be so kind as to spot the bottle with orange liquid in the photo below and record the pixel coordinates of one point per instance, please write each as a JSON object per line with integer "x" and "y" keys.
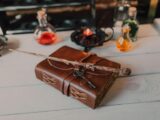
{"x": 124, "y": 42}
{"x": 45, "y": 32}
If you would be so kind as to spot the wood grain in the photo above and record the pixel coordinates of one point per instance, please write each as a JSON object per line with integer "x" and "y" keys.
{"x": 137, "y": 97}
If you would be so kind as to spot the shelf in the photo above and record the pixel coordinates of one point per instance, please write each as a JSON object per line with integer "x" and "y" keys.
{"x": 11, "y": 32}
{"x": 11, "y": 8}
{"x": 13, "y": 28}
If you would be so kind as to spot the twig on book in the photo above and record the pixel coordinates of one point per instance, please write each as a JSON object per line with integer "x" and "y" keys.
{"x": 91, "y": 66}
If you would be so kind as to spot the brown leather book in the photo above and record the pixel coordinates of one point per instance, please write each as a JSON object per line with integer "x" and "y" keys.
{"x": 89, "y": 87}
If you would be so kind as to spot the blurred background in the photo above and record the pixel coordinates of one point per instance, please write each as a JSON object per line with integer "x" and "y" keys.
{"x": 19, "y": 16}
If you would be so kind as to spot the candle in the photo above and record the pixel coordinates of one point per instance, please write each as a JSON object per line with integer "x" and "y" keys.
{"x": 87, "y": 32}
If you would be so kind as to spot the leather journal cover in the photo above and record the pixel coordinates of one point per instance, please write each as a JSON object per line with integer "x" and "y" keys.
{"x": 61, "y": 76}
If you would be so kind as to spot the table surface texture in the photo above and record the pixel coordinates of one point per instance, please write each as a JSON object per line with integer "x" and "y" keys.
{"x": 137, "y": 97}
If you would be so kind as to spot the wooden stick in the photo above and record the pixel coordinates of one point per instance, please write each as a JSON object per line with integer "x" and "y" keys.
{"x": 91, "y": 66}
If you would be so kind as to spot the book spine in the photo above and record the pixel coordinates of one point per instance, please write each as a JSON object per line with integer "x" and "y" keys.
{"x": 45, "y": 77}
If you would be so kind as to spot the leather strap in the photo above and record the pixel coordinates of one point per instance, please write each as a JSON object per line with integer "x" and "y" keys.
{"x": 67, "y": 81}
{"x": 70, "y": 78}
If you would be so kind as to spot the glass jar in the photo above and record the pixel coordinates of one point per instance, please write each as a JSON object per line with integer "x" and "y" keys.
{"x": 121, "y": 12}
{"x": 133, "y": 23}
{"x": 45, "y": 33}
{"x": 124, "y": 42}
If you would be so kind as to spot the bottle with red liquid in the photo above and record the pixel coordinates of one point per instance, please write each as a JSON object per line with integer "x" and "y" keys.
{"x": 45, "y": 32}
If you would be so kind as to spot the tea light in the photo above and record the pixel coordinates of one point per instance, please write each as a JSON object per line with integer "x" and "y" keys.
{"x": 88, "y": 37}
{"x": 87, "y": 32}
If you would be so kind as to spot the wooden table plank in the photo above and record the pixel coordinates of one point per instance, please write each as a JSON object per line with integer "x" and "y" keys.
{"x": 30, "y": 99}
{"x": 140, "y": 64}
{"x": 144, "y": 111}
{"x": 14, "y": 72}
{"x": 157, "y": 24}
{"x": 145, "y": 30}
{"x": 146, "y": 45}
{"x": 24, "y": 97}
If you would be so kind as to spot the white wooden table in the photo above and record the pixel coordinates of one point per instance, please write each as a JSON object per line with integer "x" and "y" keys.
{"x": 157, "y": 23}
{"x": 23, "y": 97}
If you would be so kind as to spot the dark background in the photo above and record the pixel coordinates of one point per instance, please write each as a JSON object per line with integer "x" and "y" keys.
{"x": 16, "y": 15}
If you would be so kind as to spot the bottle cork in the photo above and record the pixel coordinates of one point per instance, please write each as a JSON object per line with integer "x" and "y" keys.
{"x": 132, "y": 11}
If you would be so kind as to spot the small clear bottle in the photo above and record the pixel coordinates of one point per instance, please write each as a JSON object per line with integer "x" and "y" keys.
{"x": 132, "y": 22}
{"x": 121, "y": 12}
{"x": 45, "y": 33}
{"x": 124, "y": 42}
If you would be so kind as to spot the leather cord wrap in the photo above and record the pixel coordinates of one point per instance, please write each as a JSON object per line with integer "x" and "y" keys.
{"x": 70, "y": 78}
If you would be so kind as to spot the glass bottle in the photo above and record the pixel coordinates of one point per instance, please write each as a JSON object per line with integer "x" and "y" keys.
{"x": 45, "y": 32}
{"x": 133, "y": 23}
{"x": 124, "y": 42}
{"x": 121, "y": 12}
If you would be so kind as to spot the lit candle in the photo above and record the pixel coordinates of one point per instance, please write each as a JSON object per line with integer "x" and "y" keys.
{"x": 88, "y": 32}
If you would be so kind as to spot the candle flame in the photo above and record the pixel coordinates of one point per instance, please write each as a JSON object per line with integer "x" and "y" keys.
{"x": 87, "y": 32}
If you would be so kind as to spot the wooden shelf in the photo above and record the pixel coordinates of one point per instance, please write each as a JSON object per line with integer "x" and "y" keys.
{"x": 11, "y": 8}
